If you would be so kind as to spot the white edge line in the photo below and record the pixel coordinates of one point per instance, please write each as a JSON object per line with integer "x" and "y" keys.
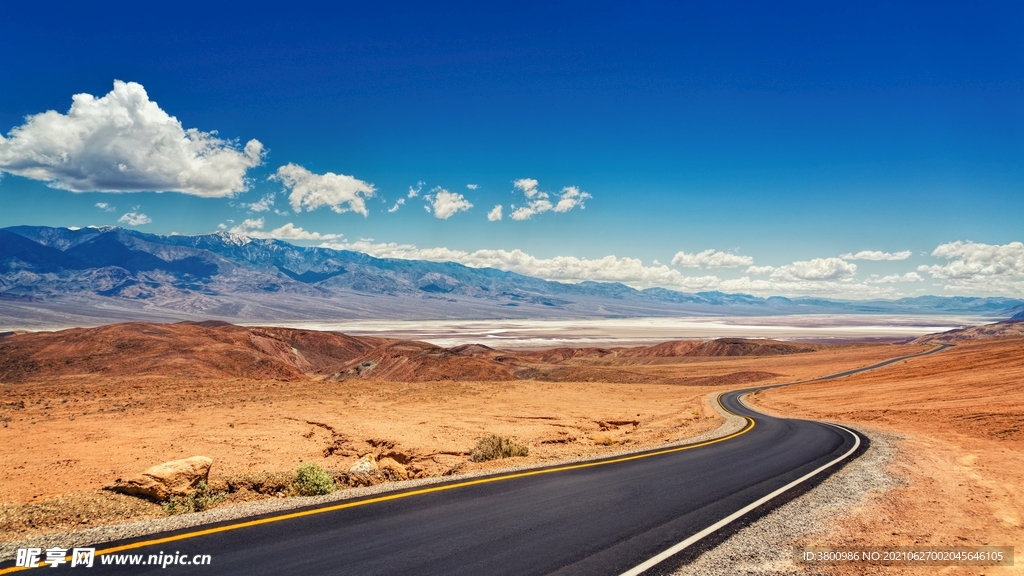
{"x": 640, "y": 569}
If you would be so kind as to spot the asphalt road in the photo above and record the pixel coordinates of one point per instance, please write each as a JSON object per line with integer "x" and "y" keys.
{"x": 603, "y": 519}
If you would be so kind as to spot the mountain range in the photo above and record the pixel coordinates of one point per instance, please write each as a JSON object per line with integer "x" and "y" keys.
{"x": 89, "y": 276}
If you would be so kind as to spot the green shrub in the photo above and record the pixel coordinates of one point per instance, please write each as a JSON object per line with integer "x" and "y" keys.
{"x": 494, "y": 447}
{"x": 197, "y": 501}
{"x": 312, "y": 480}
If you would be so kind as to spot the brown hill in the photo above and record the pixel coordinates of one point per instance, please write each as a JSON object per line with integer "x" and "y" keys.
{"x": 1003, "y": 329}
{"x": 207, "y": 350}
{"x": 186, "y": 349}
{"x": 410, "y": 361}
{"x": 719, "y": 347}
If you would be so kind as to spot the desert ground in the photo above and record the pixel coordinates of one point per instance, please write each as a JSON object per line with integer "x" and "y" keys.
{"x": 82, "y": 408}
{"x": 961, "y": 414}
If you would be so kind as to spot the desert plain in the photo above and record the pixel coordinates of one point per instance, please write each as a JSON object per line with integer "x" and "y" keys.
{"x": 82, "y": 408}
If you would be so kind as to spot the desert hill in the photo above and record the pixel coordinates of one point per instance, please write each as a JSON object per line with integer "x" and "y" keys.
{"x": 212, "y": 350}
{"x": 185, "y": 349}
{"x": 998, "y": 330}
{"x": 719, "y": 347}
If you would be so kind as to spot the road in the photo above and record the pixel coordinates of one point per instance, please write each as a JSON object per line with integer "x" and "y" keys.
{"x": 599, "y": 518}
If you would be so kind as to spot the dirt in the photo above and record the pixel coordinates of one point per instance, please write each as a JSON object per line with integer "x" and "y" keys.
{"x": 961, "y": 413}
{"x": 67, "y": 434}
{"x": 1005, "y": 329}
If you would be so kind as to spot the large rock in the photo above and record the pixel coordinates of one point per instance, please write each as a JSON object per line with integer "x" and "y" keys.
{"x": 397, "y": 470}
{"x": 364, "y": 465}
{"x": 174, "y": 478}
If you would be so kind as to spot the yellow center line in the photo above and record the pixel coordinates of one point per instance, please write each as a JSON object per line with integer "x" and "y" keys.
{"x": 397, "y": 496}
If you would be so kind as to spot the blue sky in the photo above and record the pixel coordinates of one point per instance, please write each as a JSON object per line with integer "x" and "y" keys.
{"x": 725, "y": 136}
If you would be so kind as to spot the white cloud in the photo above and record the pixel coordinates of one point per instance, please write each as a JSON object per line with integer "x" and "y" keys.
{"x": 976, "y": 268}
{"x": 262, "y": 205}
{"x": 529, "y": 187}
{"x": 106, "y": 207}
{"x": 630, "y": 271}
{"x": 876, "y": 255}
{"x": 472, "y": 186}
{"x": 534, "y": 207}
{"x": 398, "y": 204}
{"x": 414, "y": 192}
{"x": 124, "y": 142}
{"x": 894, "y": 278}
{"x": 495, "y": 213}
{"x": 972, "y": 259}
{"x": 816, "y": 269}
{"x": 711, "y": 259}
{"x": 446, "y": 204}
{"x": 571, "y": 197}
{"x": 537, "y": 202}
{"x": 253, "y": 227}
{"x": 135, "y": 219}
{"x": 758, "y": 270}
{"x": 340, "y": 192}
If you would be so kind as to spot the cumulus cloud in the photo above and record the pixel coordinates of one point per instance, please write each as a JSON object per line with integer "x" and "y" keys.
{"x": 106, "y": 207}
{"x": 398, "y": 204}
{"x": 758, "y": 270}
{"x": 534, "y": 207}
{"x": 124, "y": 142}
{"x": 495, "y": 213}
{"x": 253, "y": 227}
{"x": 711, "y": 259}
{"x": 472, "y": 186}
{"x": 974, "y": 267}
{"x": 414, "y": 192}
{"x": 630, "y": 271}
{"x": 816, "y": 269}
{"x": 445, "y": 204}
{"x": 340, "y": 192}
{"x": 894, "y": 278}
{"x": 538, "y": 202}
{"x": 529, "y": 188}
{"x": 262, "y": 205}
{"x": 971, "y": 260}
{"x": 135, "y": 219}
{"x": 571, "y": 197}
{"x": 565, "y": 268}
{"x": 877, "y": 255}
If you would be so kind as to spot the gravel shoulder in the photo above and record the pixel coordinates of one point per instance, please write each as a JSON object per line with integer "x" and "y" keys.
{"x": 765, "y": 546}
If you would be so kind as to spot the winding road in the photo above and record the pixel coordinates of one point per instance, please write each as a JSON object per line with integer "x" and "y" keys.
{"x": 642, "y": 513}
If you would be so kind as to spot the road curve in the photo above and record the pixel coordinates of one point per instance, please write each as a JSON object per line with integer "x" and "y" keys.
{"x": 606, "y": 517}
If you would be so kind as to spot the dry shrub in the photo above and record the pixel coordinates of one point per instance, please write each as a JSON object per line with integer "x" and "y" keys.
{"x": 494, "y": 447}
{"x": 201, "y": 499}
{"x": 312, "y": 480}
{"x": 603, "y": 440}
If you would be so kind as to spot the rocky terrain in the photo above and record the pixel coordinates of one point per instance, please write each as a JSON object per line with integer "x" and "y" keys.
{"x": 81, "y": 409}
{"x": 209, "y": 350}
{"x": 1007, "y": 328}
{"x": 959, "y": 416}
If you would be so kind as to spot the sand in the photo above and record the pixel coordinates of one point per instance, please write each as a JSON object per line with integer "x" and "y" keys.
{"x": 67, "y": 437}
{"x": 961, "y": 414}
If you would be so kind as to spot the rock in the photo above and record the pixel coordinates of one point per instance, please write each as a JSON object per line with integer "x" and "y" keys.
{"x": 160, "y": 482}
{"x": 399, "y": 471}
{"x": 364, "y": 465}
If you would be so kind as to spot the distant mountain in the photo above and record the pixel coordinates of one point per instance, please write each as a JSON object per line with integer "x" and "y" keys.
{"x": 88, "y": 276}
{"x": 1018, "y": 316}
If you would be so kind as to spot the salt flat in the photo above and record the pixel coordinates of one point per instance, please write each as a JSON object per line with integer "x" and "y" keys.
{"x": 543, "y": 333}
